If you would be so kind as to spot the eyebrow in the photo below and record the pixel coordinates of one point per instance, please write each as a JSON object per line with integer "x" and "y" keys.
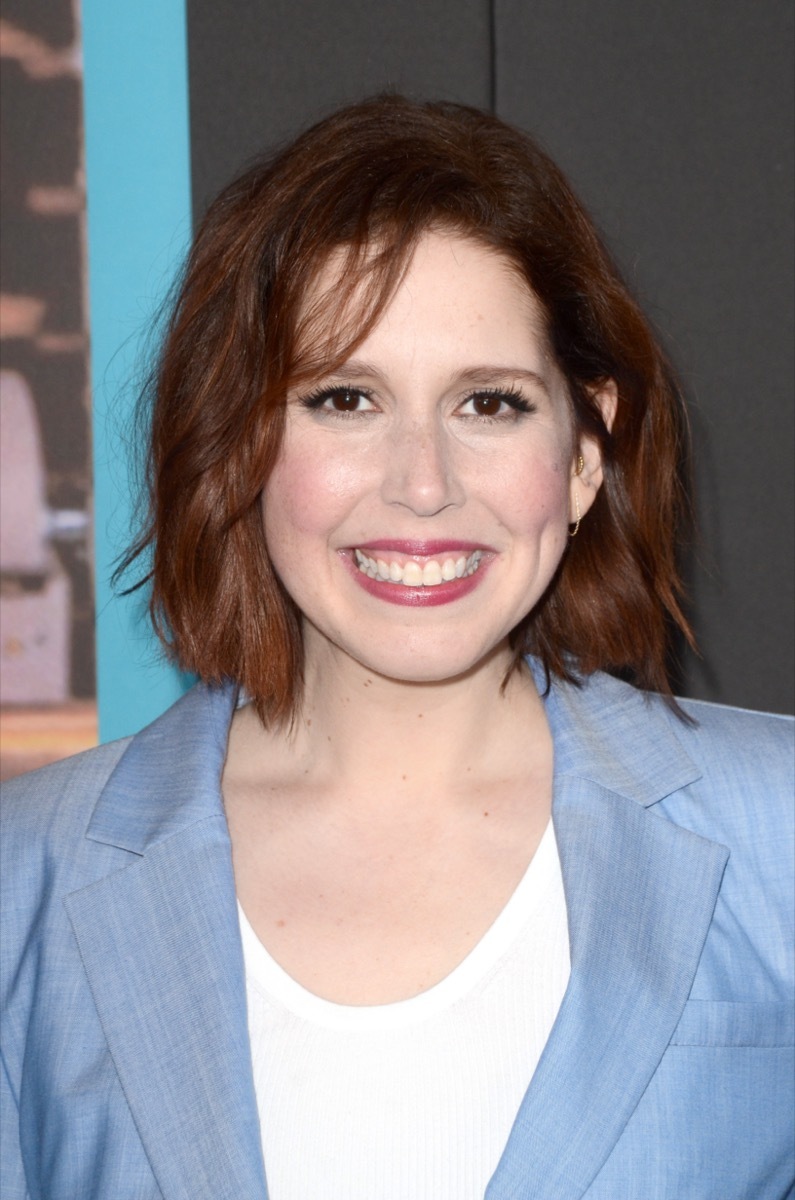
{"x": 483, "y": 375}
{"x": 488, "y": 374}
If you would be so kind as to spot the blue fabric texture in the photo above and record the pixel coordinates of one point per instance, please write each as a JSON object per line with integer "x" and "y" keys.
{"x": 126, "y": 1070}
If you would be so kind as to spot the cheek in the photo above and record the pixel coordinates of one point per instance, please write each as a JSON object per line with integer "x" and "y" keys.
{"x": 307, "y": 494}
{"x": 535, "y": 494}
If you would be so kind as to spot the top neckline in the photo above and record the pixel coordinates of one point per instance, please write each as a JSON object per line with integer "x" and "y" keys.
{"x": 270, "y": 979}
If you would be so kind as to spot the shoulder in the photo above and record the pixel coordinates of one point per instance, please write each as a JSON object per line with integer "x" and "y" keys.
{"x": 741, "y": 781}
{"x": 744, "y": 792}
{"x": 739, "y": 740}
{"x": 44, "y": 853}
{"x": 743, "y": 795}
{"x": 729, "y": 742}
{"x": 37, "y": 802}
{"x": 74, "y": 822}
{"x": 714, "y": 769}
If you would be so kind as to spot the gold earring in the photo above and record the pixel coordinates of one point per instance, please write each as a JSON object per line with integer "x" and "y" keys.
{"x": 573, "y": 532}
{"x": 580, "y": 465}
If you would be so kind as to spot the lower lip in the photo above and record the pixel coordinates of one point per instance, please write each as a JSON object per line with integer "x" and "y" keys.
{"x": 419, "y": 597}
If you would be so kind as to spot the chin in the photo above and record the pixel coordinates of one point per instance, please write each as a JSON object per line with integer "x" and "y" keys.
{"x": 422, "y": 664}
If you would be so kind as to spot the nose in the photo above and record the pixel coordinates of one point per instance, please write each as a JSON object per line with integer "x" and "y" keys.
{"x": 419, "y": 469}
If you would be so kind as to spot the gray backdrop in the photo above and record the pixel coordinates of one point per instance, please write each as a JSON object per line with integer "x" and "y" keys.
{"x": 674, "y": 122}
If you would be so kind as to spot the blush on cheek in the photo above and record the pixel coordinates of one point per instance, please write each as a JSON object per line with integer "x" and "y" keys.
{"x": 292, "y": 500}
{"x": 545, "y": 496}
{"x": 312, "y": 488}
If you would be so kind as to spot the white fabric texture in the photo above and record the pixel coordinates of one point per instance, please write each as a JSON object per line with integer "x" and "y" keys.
{"x": 412, "y": 1100}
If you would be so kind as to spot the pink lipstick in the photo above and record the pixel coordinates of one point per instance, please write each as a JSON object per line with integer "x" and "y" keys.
{"x": 418, "y": 573}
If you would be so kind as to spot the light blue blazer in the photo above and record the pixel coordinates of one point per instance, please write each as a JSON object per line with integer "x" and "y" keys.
{"x": 668, "y": 1074}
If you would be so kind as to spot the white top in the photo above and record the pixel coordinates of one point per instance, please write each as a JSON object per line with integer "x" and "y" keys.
{"x": 412, "y": 1100}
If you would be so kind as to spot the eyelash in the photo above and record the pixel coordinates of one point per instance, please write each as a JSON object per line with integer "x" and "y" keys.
{"x": 519, "y": 404}
{"x": 315, "y": 400}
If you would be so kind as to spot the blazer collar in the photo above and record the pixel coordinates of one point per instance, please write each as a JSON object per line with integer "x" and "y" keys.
{"x": 170, "y": 775}
{"x": 160, "y": 944}
{"x": 616, "y": 736}
{"x": 640, "y": 894}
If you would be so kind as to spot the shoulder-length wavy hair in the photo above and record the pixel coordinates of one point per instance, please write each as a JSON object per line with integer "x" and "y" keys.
{"x": 369, "y": 181}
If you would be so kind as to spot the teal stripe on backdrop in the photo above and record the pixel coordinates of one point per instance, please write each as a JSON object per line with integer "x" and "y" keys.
{"x": 138, "y": 180}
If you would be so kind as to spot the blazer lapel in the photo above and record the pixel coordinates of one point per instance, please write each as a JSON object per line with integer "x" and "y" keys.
{"x": 640, "y": 893}
{"x": 160, "y": 944}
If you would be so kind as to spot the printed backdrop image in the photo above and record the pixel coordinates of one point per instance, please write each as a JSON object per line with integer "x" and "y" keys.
{"x": 47, "y": 677}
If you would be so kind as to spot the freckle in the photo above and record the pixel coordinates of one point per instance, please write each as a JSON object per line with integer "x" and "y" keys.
{"x": 309, "y": 722}
{"x": 419, "y": 714}
{"x": 281, "y": 924}
{"x": 328, "y": 737}
{"x": 404, "y": 776}
{"x": 485, "y": 814}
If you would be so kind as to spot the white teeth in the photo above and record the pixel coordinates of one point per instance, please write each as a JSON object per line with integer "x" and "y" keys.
{"x": 413, "y": 574}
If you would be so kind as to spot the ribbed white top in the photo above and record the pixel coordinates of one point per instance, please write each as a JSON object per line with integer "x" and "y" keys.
{"x": 412, "y": 1100}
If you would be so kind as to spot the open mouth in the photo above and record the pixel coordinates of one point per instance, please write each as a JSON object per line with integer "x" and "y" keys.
{"x": 410, "y": 573}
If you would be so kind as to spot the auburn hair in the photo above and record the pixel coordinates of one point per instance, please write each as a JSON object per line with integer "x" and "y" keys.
{"x": 368, "y": 181}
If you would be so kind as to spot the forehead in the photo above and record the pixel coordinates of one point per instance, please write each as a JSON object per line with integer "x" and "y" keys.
{"x": 447, "y": 282}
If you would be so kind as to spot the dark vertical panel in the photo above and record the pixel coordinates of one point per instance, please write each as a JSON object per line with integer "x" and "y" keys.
{"x": 260, "y": 70}
{"x": 674, "y": 122}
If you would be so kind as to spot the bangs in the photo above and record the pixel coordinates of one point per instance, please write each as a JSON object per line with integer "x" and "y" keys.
{"x": 348, "y": 289}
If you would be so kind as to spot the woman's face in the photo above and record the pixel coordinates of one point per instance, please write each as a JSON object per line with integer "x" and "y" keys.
{"x": 420, "y": 503}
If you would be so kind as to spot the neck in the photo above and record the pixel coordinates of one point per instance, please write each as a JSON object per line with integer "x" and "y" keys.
{"x": 358, "y": 728}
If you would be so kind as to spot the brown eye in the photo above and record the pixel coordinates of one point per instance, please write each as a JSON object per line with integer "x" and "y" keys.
{"x": 345, "y": 401}
{"x": 496, "y": 405}
{"x": 340, "y": 400}
{"x": 487, "y": 406}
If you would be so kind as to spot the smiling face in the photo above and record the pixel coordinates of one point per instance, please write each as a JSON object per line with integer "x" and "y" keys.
{"x": 421, "y": 500}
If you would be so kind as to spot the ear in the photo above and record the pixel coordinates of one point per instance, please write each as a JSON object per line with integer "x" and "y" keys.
{"x": 586, "y": 467}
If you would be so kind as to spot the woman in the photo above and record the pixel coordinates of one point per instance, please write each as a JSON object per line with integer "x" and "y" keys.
{"x": 315, "y": 923}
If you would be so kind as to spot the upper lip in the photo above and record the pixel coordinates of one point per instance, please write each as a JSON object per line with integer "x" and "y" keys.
{"x": 416, "y": 548}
